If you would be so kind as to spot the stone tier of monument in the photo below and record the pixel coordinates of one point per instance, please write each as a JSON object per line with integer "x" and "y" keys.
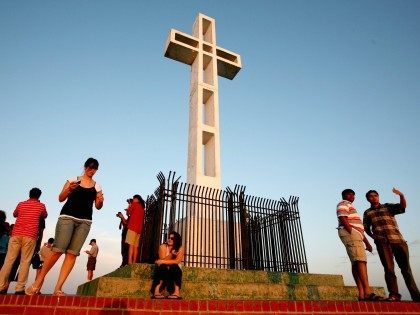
{"x": 225, "y": 284}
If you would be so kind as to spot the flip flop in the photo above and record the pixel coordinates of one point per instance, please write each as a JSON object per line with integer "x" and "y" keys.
{"x": 32, "y": 290}
{"x": 393, "y": 298}
{"x": 59, "y": 293}
{"x": 174, "y": 297}
{"x": 157, "y": 296}
{"x": 374, "y": 297}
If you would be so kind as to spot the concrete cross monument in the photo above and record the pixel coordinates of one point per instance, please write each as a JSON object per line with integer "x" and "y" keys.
{"x": 207, "y": 61}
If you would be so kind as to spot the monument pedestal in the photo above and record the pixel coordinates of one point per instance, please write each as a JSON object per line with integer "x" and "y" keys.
{"x": 225, "y": 284}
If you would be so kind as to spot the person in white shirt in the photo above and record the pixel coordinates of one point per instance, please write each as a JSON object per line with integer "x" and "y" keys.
{"x": 44, "y": 252}
{"x": 93, "y": 253}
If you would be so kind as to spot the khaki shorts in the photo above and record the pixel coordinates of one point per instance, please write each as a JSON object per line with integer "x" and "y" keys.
{"x": 132, "y": 238}
{"x": 354, "y": 244}
{"x": 70, "y": 235}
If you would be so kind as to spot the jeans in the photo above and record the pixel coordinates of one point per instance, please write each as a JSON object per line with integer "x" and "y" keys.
{"x": 387, "y": 252}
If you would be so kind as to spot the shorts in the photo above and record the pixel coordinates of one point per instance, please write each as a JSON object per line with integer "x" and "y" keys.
{"x": 91, "y": 263}
{"x": 354, "y": 244}
{"x": 70, "y": 235}
{"x": 132, "y": 238}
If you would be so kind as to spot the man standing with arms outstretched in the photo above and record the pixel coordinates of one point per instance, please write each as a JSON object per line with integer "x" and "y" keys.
{"x": 380, "y": 224}
{"x": 351, "y": 233}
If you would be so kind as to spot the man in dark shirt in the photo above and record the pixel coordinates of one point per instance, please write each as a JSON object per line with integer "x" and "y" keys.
{"x": 380, "y": 224}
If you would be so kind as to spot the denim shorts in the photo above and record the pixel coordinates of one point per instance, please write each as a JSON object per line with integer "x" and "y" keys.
{"x": 70, "y": 235}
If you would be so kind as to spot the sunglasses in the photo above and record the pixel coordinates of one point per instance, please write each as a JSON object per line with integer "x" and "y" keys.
{"x": 171, "y": 238}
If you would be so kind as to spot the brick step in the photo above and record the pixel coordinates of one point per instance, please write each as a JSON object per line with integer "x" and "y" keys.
{"x": 77, "y": 305}
{"x": 223, "y": 284}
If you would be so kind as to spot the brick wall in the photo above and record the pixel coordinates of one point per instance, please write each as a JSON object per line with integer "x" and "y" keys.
{"x": 78, "y": 305}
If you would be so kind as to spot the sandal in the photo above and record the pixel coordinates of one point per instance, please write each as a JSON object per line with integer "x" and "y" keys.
{"x": 394, "y": 298}
{"x": 157, "y": 296}
{"x": 59, "y": 293}
{"x": 32, "y": 290}
{"x": 373, "y": 297}
{"x": 174, "y": 297}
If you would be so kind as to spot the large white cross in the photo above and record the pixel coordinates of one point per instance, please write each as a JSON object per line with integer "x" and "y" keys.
{"x": 207, "y": 62}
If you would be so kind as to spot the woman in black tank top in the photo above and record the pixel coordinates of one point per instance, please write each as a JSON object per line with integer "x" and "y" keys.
{"x": 73, "y": 224}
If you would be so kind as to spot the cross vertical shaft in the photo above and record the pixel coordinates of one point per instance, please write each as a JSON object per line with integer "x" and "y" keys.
{"x": 207, "y": 61}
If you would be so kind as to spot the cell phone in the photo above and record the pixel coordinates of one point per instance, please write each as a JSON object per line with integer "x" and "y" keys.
{"x": 78, "y": 182}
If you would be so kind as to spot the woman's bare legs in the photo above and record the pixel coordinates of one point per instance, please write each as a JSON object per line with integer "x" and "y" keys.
{"x": 176, "y": 291}
{"x": 157, "y": 288}
{"x": 133, "y": 252}
{"x": 65, "y": 270}
{"x": 90, "y": 275}
{"x": 48, "y": 264}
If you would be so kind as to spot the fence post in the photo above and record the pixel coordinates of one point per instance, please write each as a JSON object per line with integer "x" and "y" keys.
{"x": 146, "y": 253}
{"x": 284, "y": 232}
{"x": 160, "y": 204}
{"x": 172, "y": 210}
{"x": 244, "y": 217}
{"x": 231, "y": 229}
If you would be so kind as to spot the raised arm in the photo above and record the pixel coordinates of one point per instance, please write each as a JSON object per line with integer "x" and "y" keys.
{"x": 123, "y": 219}
{"x": 403, "y": 202}
{"x": 99, "y": 200}
{"x": 67, "y": 189}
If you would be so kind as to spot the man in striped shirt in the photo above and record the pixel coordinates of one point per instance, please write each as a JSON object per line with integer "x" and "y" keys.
{"x": 23, "y": 240}
{"x": 351, "y": 233}
{"x": 380, "y": 224}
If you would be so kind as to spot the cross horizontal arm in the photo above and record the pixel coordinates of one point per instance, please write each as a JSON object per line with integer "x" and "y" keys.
{"x": 228, "y": 63}
{"x": 181, "y": 47}
{"x": 185, "y": 48}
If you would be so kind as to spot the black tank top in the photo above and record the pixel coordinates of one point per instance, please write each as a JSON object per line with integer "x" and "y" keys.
{"x": 79, "y": 203}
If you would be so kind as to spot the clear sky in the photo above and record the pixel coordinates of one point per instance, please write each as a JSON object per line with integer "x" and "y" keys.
{"x": 328, "y": 98}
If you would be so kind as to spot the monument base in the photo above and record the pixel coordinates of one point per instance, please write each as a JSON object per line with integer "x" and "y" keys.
{"x": 226, "y": 284}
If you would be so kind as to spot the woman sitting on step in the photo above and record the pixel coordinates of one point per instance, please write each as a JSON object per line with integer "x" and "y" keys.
{"x": 169, "y": 274}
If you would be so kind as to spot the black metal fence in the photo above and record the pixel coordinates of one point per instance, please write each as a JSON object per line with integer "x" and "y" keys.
{"x": 224, "y": 228}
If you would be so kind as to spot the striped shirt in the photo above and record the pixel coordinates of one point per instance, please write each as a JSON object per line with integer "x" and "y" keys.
{"x": 381, "y": 221}
{"x": 27, "y": 214}
{"x": 346, "y": 209}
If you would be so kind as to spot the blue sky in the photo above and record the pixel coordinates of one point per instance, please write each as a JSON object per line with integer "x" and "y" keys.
{"x": 328, "y": 98}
